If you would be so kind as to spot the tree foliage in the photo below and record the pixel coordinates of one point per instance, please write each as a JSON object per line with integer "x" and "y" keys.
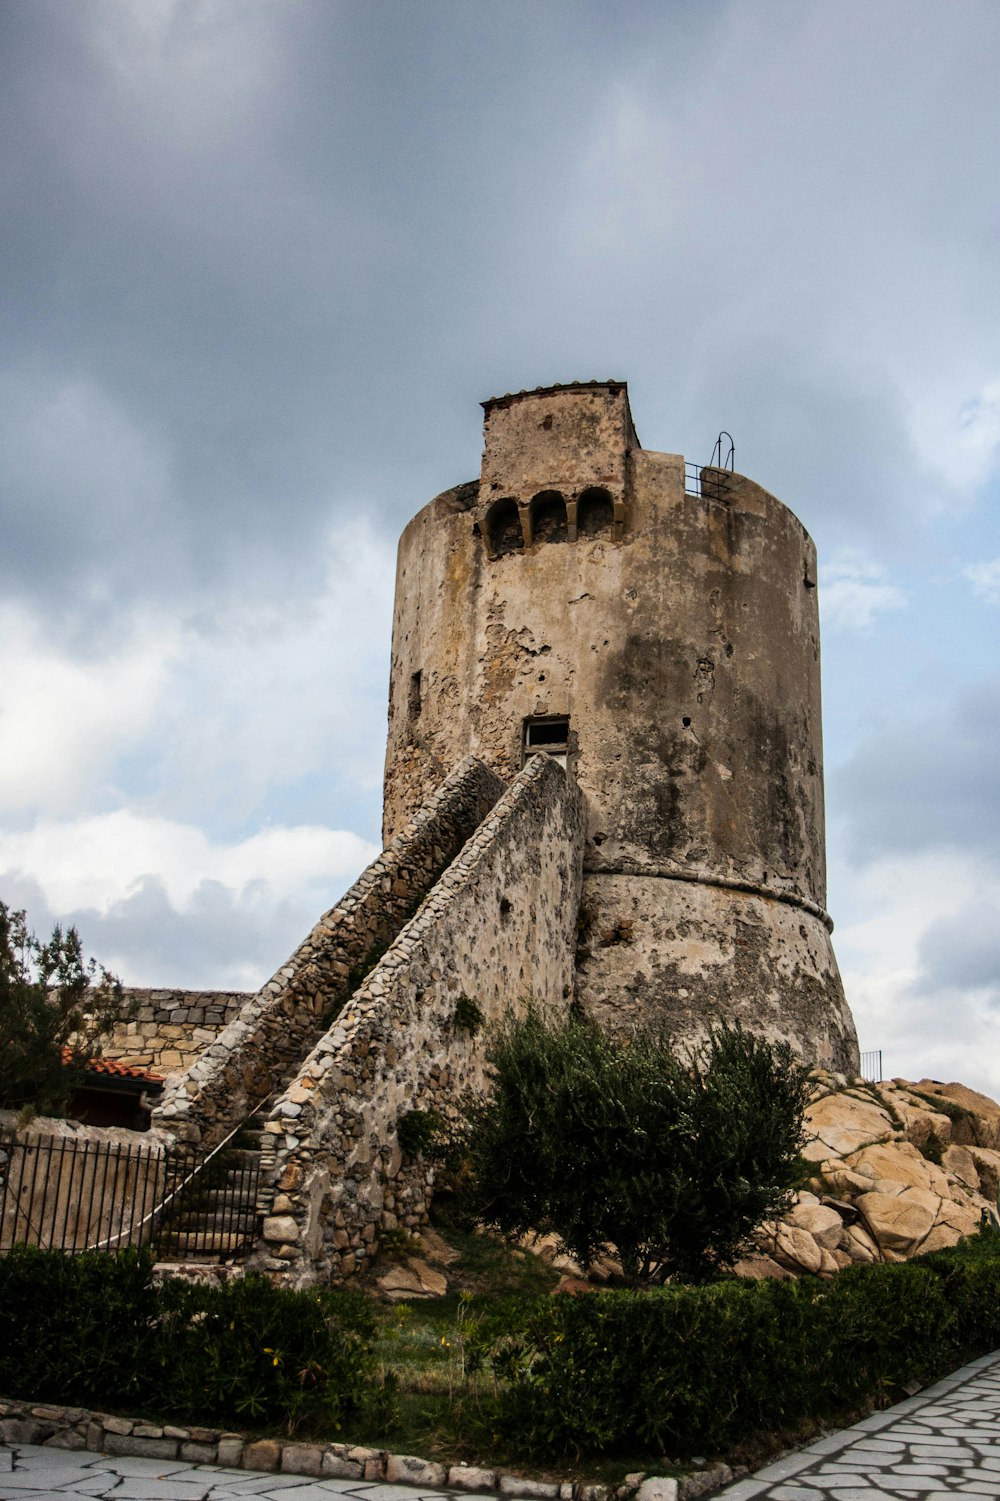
{"x": 56, "y": 1009}
{"x": 671, "y": 1159}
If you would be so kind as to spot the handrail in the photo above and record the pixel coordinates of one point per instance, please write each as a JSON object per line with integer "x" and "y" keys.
{"x": 180, "y": 1187}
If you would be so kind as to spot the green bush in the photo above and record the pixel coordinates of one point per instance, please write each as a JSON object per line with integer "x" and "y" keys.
{"x": 258, "y": 1354}
{"x": 100, "y": 1333}
{"x": 75, "y": 1329}
{"x": 673, "y": 1161}
{"x": 681, "y": 1369}
{"x": 418, "y": 1130}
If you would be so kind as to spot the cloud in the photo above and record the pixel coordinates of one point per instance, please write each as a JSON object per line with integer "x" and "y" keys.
{"x": 83, "y": 475}
{"x": 854, "y": 592}
{"x": 161, "y": 904}
{"x": 65, "y": 720}
{"x": 920, "y": 970}
{"x": 962, "y": 949}
{"x": 256, "y": 698}
{"x": 778, "y": 235}
{"x": 985, "y": 580}
{"x": 95, "y": 862}
{"x": 926, "y": 781}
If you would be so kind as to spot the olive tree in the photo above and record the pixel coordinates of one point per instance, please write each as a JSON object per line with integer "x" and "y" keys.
{"x": 673, "y": 1159}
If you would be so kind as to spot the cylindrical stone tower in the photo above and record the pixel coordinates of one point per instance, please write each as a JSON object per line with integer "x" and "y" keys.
{"x": 583, "y": 601}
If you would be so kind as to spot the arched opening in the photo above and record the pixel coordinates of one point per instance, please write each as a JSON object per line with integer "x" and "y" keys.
{"x": 503, "y": 529}
{"x": 548, "y": 517}
{"x": 595, "y": 513}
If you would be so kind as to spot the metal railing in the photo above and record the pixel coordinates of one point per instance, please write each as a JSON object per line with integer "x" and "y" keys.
{"x": 707, "y": 480}
{"x": 871, "y": 1066}
{"x": 68, "y": 1194}
{"x": 712, "y": 480}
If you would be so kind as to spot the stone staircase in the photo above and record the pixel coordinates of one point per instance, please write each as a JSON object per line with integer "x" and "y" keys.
{"x": 214, "y": 1217}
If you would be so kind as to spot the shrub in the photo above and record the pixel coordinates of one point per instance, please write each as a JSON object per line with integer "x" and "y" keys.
{"x": 418, "y": 1130}
{"x": 254, "y": 1353}
{"x": 101, "y": 1333}
{"x": 672, "y": 1160}
{"x": 683, "y": 1369}
{"x": 468, "y": 1015}
{"x": 75, "y": 1328}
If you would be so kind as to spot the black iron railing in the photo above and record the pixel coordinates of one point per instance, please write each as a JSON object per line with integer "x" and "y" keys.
{"x": 72, "y": 1194}
{"x": 708, "y": 481}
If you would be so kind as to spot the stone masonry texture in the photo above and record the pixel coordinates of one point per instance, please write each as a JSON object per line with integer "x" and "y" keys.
{"x": 263, "y": 1044}
{"x": 497, "y": 929}
{"x": 168, "y": 1029}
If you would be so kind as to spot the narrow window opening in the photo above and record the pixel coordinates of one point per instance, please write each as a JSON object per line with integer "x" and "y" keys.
{"x": 413, "y": 699}
{"x": 503, "y": 528}
{"x": 595, "y": 513}
{"x": 546, "y": 737}
{"x": 548, "y": 517}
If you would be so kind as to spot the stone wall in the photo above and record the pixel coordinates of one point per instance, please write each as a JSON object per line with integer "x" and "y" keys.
{"x": 260, "y": 1048}
{"x": 674, "y": 650}
{"x": 652, "y": 949}
{"x": 498, "y": 928}
{"x": 170, "y": 1028}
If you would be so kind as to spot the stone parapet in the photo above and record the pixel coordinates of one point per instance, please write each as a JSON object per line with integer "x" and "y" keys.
{"x": 497, "y": 929}
{"x": 261, "y": 1046}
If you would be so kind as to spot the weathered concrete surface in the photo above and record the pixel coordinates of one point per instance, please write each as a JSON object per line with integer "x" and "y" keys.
{"x": 685, "y": 955}
{"x": 679, "y": 633}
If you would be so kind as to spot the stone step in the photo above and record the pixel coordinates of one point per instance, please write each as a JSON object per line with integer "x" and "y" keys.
{"x": 212, "y": 1221}
{"x": 215, "y": 1217}
{"x": 204, "y": 1246}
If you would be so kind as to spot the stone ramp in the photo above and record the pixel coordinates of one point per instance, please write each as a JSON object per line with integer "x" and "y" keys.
{"x": 261, "y": 1048}
{"x": 498, "y": 928}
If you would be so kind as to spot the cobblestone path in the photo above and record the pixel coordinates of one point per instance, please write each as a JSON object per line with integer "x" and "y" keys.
{"x": 941, "y": 1443}
{"x": 30, "y": 1472}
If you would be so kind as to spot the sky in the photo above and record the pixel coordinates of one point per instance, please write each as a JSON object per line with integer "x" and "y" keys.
{"x": 262, "y": 259}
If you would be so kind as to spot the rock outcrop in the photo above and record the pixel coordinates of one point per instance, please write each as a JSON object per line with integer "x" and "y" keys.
{"x": 900, "y": 1169}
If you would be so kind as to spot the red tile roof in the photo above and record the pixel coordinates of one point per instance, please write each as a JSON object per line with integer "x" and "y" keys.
{"x": 112, "y": 1067}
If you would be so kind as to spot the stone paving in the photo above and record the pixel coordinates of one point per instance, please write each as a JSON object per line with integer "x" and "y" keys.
{"x": 32, "y": 1472}
{"x": 943, "y": 1442}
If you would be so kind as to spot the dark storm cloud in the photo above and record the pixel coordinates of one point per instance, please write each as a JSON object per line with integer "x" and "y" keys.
{"x": 262, "y": 260}
{"x": 248, "y": 251}
{"x": 927, "y": 782}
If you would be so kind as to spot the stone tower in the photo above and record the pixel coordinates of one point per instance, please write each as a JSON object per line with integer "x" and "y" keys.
{"x": 661, "y": 640}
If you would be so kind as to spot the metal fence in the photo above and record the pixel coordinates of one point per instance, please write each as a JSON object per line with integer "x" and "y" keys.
{"x": 68, "y": 1194}
{"x": 871, "y": 1066}
{"x": 706, "y": 480}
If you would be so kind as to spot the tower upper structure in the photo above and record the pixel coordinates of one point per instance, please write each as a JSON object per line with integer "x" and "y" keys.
{"x": 659, "y": 635}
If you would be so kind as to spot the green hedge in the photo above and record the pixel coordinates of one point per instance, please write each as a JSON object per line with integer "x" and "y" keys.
{"x": 95, "y": 1331}
{"x": 676, "y": 1370}
{"x": 683, "y": 1370}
